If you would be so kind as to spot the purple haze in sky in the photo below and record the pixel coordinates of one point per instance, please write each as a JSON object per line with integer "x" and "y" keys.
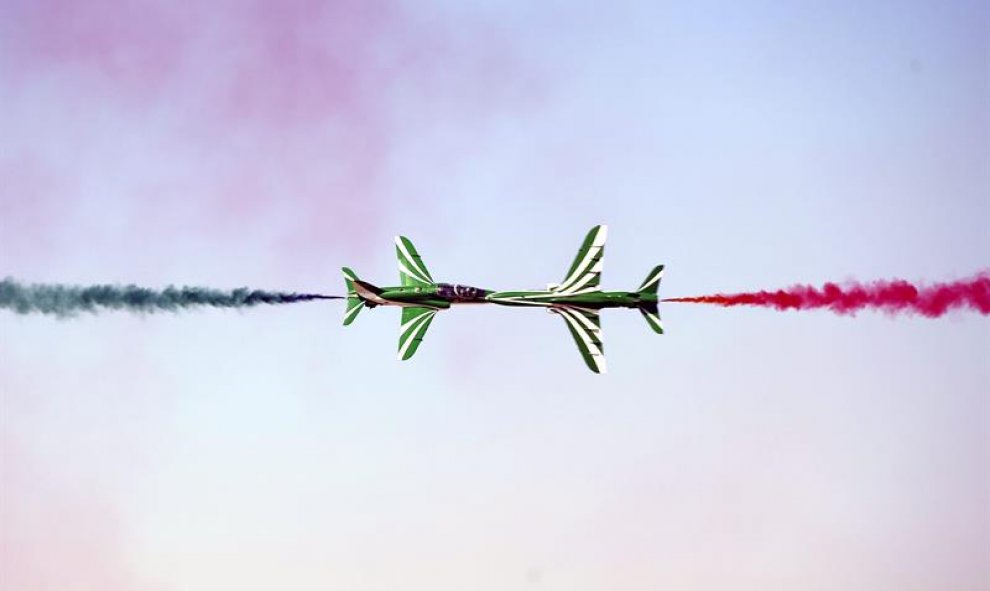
{"x": 268, "y": 144}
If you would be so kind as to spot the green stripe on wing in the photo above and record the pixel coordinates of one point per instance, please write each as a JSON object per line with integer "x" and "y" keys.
{"x": 415, "y": 322}
{"x": 586, "y": 270}
{"x": 412, "y": 270}
{"x": 585, "y": 327}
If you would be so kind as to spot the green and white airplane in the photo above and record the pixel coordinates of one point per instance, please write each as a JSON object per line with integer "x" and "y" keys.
{"x": 578, "y": 299}
{"x": 419, "y": 296}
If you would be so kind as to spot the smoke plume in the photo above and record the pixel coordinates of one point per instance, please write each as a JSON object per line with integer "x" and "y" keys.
{"x": 69, "y": 300}
{"x": 894, "y": 297}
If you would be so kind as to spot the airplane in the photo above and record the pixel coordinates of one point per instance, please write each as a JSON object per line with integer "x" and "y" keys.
{"x": 419, "y": 296}
{"x": 577, "y": 299}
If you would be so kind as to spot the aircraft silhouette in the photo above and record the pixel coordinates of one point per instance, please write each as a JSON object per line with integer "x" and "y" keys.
{"x": 577, "y": 299}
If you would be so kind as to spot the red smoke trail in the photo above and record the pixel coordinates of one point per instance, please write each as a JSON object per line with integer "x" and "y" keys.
{"x": 893, "y": 297}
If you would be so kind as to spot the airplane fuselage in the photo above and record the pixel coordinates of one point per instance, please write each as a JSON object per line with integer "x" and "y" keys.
{"x": 444, "y": 295}
{"x": 439, "y": 296}
{"x": 594, "y": 300}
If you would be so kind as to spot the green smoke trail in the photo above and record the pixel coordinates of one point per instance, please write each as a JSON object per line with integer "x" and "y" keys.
{"x": 69, "y": 300}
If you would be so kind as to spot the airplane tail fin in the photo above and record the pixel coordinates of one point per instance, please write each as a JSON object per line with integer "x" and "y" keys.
{"x": 354, "y": 302}
{"x": 649, "y": 308}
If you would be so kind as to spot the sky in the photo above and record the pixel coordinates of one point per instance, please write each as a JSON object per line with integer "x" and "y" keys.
{"x": 267, "y": 144}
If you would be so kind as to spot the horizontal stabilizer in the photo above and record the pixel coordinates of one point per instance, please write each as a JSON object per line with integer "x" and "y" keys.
{"x": 652, "y": 282}
{"x": 652, "y": 316}
{"x": 354, "y": 302}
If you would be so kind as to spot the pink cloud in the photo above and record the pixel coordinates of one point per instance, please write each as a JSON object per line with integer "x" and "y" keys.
{"x": 28, "y": 204}
{"x": 53, "y": 540}
{"x": 303, "y": 60}
{"x": 275, "y": 109}
{"x": 71, "y": 446}
{"x": 129, "y": 41}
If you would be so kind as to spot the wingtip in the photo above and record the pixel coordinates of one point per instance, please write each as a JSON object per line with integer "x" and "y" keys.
{"x": 602, "y": 235}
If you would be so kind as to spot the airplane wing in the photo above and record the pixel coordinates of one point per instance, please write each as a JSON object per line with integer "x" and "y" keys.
{"x": 412, "y": 270}
{"x": 415, "y": 322}
{"x": 586, "y": 270}
{"x": 585, "y": 326}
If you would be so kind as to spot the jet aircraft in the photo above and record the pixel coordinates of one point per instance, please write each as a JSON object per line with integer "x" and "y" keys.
{"x": 577, "y": 299}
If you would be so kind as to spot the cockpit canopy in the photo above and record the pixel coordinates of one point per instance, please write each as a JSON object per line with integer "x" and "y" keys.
{"x": 448, "y": 291}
